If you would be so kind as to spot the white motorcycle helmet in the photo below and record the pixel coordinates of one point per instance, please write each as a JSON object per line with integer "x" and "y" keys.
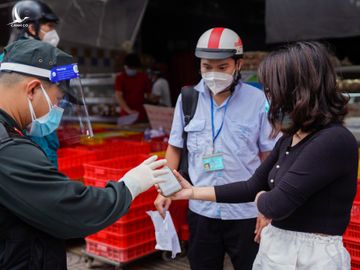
{"x": 219, "y": 43}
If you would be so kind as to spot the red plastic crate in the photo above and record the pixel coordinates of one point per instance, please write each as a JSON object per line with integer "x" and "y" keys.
{"x": 355, "y": 265}
{"x": 109, "y": 150}
{"x": 147, "y": 197}
{"x": 352, "y": 232}
{"x": 353, "y": 248}
{"x": 184, "y": 235}
{"x": 124, "y": 240}
{"x": 139, "y": 209}
{"x": 112, "y": 168}
{"x": 117, "y": 254}
{"x": 129, "y": 226}
{"x": 71, "y": 161}
{"x": 355, "y": 212}
{"x": 158, "y": 146}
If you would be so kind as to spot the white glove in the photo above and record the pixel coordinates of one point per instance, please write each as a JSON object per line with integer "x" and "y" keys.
{"x": 144, "y": 176}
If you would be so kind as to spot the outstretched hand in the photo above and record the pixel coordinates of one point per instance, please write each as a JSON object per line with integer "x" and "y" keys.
{"x": 186, "y": 193}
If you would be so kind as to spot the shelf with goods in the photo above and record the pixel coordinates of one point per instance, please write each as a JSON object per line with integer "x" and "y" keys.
{"x": 100, "y": 97}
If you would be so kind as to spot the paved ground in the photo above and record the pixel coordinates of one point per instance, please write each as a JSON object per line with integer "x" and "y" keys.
{"x": 151, "y": 262}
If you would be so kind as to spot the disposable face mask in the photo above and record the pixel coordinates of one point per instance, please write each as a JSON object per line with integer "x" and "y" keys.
{"x": 46, "y": 124}
{"x": 51, "y": 37}
{"x": 130, "y": 71}
{"x": 217, "y": 81}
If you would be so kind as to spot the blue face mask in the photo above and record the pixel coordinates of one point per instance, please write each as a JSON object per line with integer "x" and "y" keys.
{"x": 46, "y": 124}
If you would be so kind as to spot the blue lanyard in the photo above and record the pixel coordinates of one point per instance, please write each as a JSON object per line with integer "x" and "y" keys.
{"x": 214, "y": 136}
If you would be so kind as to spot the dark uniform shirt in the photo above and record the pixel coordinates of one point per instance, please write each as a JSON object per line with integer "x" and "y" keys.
{"x": 38, "y": 202}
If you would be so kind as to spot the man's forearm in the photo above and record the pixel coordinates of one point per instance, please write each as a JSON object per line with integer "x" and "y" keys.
{"x": 173, "y": 155}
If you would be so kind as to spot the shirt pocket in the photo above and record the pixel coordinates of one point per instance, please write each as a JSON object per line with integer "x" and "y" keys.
{"x": 196, "y": 135}
{"x": 244, "y": 137}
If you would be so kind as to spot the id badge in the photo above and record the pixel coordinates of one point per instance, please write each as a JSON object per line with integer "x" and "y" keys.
{"x": 213, "y": 162}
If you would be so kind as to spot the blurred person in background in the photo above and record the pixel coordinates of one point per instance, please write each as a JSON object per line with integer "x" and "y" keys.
{"x": 307, "y": 185}
{"x": 160, "y": 94}
{"x": 227, "y": 139}
{"x": 132, "y": 87}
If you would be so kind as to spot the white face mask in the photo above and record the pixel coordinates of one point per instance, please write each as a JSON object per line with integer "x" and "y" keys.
{"x": 217, "y": 81}
{"x": 51, "y": 37}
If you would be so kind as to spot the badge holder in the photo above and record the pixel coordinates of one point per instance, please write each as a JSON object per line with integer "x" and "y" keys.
{"x": 213, "y": 162}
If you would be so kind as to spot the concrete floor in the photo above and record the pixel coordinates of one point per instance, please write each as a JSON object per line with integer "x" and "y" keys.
{"x": 152, "y": 262}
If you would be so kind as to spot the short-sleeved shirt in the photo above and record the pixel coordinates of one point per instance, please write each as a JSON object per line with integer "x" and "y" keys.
{"x": 161, "y": 89}
{"x": 245, "y": 133}
{"x": 133, "y": 89}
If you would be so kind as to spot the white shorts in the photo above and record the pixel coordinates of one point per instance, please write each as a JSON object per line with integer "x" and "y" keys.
{"x": 289, "y": 250}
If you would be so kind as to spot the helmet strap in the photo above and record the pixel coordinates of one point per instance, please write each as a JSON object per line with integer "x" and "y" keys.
{"x": 37, "y": 30}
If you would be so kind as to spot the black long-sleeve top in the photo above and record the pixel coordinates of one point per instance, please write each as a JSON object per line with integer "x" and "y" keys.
{"x": 310, "y": 186}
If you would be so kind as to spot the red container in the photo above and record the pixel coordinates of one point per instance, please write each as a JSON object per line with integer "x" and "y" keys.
{"x": 158, "y": 146}
{"x": 124, "y": 240}
{"x": 71, "y": 161}
{"x": 355, "y": 265}
{"x": 111, "y": 150}
{"x": 353, "y": 248}
{"x": 355, "y": 212}
{"x": 112, "y": 168}
{"x": 139, "y": 209}
{"x": 129, "y": 226}
{"x": 117, "y": 254}
{"x": 352, "y": 232}
{"x": 184, "y": 235}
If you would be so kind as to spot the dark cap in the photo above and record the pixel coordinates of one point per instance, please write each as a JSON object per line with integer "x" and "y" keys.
{"x": 32, "y": 57}
{"x": 32, "y": 52}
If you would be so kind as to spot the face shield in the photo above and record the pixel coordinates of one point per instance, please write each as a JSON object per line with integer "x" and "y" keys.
{"x": 75, "y": 120}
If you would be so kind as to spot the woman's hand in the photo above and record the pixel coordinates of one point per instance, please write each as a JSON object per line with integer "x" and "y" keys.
{"x": 187, "y": 191}
{"x": 261, "y": 223}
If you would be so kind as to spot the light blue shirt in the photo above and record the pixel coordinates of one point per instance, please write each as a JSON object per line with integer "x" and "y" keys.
{"x": 245, "y": 133}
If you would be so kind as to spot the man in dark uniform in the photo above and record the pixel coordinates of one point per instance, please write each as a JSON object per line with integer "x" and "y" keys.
{"x": 40, "y": 207}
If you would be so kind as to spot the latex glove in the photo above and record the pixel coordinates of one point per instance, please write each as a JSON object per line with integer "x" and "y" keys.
{"x": 144, "y": 176}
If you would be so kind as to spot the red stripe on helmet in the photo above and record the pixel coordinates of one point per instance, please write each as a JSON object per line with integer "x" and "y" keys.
{"x": 214, "y": 39}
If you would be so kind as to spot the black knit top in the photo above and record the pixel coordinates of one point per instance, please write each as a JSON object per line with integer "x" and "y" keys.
{"x": 311, "y": 186}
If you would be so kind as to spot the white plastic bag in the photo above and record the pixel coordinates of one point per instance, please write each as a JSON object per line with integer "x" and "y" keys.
{"x": 165, "y": 233}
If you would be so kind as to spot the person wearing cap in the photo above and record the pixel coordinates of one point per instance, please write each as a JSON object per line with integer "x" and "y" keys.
{"x": 40, "y": 207}
{"x": 227, "y": 139}
{"x": 132, "y": 87}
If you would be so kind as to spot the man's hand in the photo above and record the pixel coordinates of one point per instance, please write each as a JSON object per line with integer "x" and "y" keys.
{"x": 144, "y": 176}
{"x": 162, "y": 204}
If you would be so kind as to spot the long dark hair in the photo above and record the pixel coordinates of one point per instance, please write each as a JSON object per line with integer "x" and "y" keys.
{"x": 300, "y": 84}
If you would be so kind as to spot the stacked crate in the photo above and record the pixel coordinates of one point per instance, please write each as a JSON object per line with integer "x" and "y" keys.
{"x": 71, "y": 161}
{"x": 132, "y": 236}
{"x": 351, "y": 236}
